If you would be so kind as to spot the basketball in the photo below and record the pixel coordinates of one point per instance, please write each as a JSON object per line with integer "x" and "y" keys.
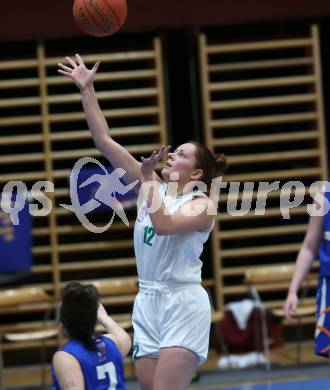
{"x": 100, "y": 18}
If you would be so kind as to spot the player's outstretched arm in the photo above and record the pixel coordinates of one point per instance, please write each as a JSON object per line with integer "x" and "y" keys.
{"x": 115, "y": 331}
{"x": 114, "y": 152}
{"x": 304, "y": 261}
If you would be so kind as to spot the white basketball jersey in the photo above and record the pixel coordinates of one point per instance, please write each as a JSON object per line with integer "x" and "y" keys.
{"x": 173, "y": 257}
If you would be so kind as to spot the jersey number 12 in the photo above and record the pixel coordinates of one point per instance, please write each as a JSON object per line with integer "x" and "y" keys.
{"x": 149, "y": 233}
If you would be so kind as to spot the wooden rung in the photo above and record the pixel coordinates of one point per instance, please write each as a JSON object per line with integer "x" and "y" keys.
{"x": 21, "y": 139}
{"x": 84, "y": 247}
{"x": 25, "y": 326}
{"x": 72, "y": 229}
{"x": 142, "y": 148}
{"x": 269, "y": 213}
{"x": 266, "y": 64}
{"x": 262, "y": 288}
{"x": 98, "y": 264}
{"x": 235, "y": 290}
{"x": 120, "y": 94}
{"x": 86, "y": 265}
{"x": 19, "y": 83}
{"x": 95, "y": 246}
{"x": 40, "y": 231}
{"x": 262, "y": 232}
{"x": 23, "y": 295}
{"x": 22, "y": 158}
{"x": 134, "y": 149}
{"x": 308, "y": 320}
{"x": 261, "y": 83}
{"x": 268, "y": 138}
{"x": 115, "y": 132}
{"x": 262, "y": 45}
{"x": 70, "y": 135}
{"x": 270, "y": 304}
{"x": 20, "y": 102}
{"x": 109, "y": 76}
{"x": 18, "y": 64}
{"x": 21, "y": 120}
{"x": 76, "y": 229}
{"x": 264, "y": 101}
{"x": 216, "y": 316}
{"x": 208, "y": 282}
{"x": 263, "y": 120}
{"x": 111, "y": 57}
{"x": 261, "y": 193}
{"x": 259, "y": 250}
{"x": 116, "y": 113}
{"x": 268, "y": 286}
{"x": 41, "y": 250}
{"x": 74, "y": 154}
{"x": 272, "y": 273}
{"x": 129, "y": 112}
{"x": 242, "y": 289}
{"x": 274, "y": 156}
{"x": 115, "y": 286}
{"x": 30, "y": 176}
{"x": 268, "y": 273}
{"x": 125, "y": 324}
{"x": 301, "y": 311}
{"x": 28, "y": 308}
{"x": 42, "y": 269}
{"x": 18, "y": 346}
{"x": 33, "y": 335}
{"x": 119, "y": 300}
{"x": 235, "y": 271}
{"x": 276, "y": 175}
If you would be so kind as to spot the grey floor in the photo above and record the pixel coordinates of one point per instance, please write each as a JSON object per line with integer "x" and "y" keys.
{"x": 226, "y": 379}
{"x": 244, "y": 379}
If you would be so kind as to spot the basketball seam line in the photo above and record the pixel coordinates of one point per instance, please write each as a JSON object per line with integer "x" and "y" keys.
{"x": 93, "y": 19}
{"x": 113, "y": 12}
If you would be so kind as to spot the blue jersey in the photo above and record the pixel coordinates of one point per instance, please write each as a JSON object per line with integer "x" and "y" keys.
{"x": 324, "y": 252}
{"x": 102, "y": 368}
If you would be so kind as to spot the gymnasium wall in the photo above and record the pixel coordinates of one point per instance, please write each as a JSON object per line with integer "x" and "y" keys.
{"x": 45, "y": 18}
{"x": 175, "y": 23}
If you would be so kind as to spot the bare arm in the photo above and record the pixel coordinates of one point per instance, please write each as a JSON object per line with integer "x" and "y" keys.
{"x": 192, "y": 216}
{"x": 115, "y": 331}
{"x": 304, "y": 261}
{"x": 114, "y": 152}
{"x": 68, "y": 372}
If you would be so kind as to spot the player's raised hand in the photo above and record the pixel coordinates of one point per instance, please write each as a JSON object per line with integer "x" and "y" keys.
{"x": 102, "y": 314}
{"x": 78, "y": 72}
{"x": 149, "y": 164}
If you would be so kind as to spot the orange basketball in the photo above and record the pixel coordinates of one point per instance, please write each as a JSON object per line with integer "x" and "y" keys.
{"x": 100, "y": 18}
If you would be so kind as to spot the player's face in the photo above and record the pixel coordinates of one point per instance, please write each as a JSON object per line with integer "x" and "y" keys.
{"x": 181, "y": 161}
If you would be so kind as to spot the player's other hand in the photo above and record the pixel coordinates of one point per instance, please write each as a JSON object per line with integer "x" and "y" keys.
{"x": 149, "y": 164}
{"x": 290, "y": 306}
{"x": 102, "y": 315}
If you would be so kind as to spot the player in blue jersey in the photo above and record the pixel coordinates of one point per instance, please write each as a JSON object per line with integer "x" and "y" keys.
{"x": 172, "y": 312}
{"x": 88, "y": 361}
{"x": 316, "y": 241}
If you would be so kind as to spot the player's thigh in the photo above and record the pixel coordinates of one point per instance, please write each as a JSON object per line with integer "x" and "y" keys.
{"x": 175, "y": 368}
{"x": 145, "y": 368}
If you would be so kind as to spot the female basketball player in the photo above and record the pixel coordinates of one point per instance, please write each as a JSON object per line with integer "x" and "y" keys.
{"x": 317, "y": 240}
{"x": 172, "y": 313}
{"x": 88, "y": 361}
